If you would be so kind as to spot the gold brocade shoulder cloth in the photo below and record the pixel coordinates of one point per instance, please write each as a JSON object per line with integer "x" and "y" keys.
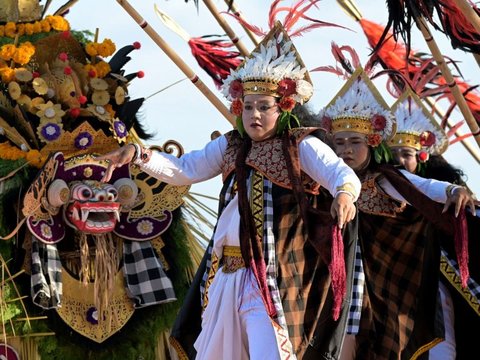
{"x": 267, "y": 158}
{"x": 374, "y": 201}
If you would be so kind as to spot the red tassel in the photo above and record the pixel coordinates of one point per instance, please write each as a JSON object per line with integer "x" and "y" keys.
{"x": 260, "y": 272}
{"x": 213, "y": 57}
{"x": 337, "y": 271}
{"x": 461, "y": 246}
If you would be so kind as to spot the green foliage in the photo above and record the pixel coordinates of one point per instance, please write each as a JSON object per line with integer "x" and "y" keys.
{"x": 240, "y": 127}
{"x": 285, "y": 122}
{"x": 383, "y": 154}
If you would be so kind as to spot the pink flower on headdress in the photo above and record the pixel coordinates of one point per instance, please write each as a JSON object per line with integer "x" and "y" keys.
{"x": 374, "y": 140}
{"x": 427, "y": 138}
{"x": 379, "y": 122}
{"x": 326, "y": 123}
{"x": 423, "y": 156}
{"x": 236, "y": 89}
{"x": 287, "y": 104}
{"x": 287, "y": 87}
{"x": 237, "y": 107}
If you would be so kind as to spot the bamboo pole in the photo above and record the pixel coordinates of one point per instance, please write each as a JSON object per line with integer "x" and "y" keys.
{"x": 178, "y": 61}
{"x": 228, "y": 30}
{"x": 457, "y": 94}
{"x": 238, "y": 13}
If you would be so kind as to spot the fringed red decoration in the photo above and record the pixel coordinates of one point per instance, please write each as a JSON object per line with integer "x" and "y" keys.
{"x": 458, "y": 28}
{"x": 260, "y": 271}
{"x": 393, "y": 56}
{"x": 337, "y": 271}
{"x": 293, "y": 14}
{"x": 214, "y": 57}
{"x": 461, "y": 246}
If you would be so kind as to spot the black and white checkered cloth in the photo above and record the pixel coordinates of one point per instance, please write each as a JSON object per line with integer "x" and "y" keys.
{"x": 46, "y": 278}
{"x": 146, "y": 281}
{"x": 355, "y": 310}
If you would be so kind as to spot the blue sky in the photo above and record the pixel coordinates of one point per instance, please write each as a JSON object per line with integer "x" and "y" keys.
{"x": 182, "y": 113}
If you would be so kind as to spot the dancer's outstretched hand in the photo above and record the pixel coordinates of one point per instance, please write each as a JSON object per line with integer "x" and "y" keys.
{"x": 117, "y": 158}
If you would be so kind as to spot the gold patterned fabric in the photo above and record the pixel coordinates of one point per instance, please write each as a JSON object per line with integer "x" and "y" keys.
{"x": 232, "y": 259}
{"x": 267, "y": 158}
{"x": 373, "y": 201}
{"x": 79, "y": 299}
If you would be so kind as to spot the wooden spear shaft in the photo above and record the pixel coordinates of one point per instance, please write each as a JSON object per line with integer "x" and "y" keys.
{"x": 178, "y": 61}
{"x": 457, "y": 94}
{"x": 228, "y": 30}
{"x": 237, "y": 12}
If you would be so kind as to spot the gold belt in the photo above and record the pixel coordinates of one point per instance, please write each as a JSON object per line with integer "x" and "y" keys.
{"x": 232, "y": 259}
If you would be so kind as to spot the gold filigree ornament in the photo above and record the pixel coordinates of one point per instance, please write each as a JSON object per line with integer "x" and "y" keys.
{"x": 78, "y": 309}
{"x": 69, "y": 142}
{"x": 155, "y": 196}
{"x": 32, "y": 202}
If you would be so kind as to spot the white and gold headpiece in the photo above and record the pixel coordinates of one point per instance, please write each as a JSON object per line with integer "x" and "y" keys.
{"x": 359, "y": 107}
{"x": 416, "y": 127}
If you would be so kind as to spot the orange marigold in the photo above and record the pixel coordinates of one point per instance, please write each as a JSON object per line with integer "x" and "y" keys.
{"x": 102, "y": 68}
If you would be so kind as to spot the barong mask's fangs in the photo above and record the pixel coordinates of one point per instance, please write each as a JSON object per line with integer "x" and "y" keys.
{"x": 92, "y": 207}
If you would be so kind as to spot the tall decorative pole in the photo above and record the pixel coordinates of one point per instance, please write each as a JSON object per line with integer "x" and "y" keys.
{"x": 189, "y": 73}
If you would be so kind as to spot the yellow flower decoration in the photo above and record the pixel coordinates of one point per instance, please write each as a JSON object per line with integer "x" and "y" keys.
{"x": 7, "y": 51}
{"x": 7, "y": 74}
{"x": 23, "y": 75}
{"x": 24, "y": 53}
{"x": 101, "y": 97}
{"x": 102, "y": 68}
{"x": 58, "y": 22}
{"x": 99, "y": 111}
{"x": 50, "y": 112}
{"x": 14, "y": 90}
{"x": 40, "y": 86}
{"x": 98, "y": 84}
{"x": 10, "y": 29}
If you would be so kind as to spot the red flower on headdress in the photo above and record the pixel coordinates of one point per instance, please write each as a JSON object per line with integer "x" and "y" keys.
{"x": 287, "y": 87}
{"x": 236, "y": 89}
{"x": 379, "y": 122}
{"x": 287, "y": 104}
{"x": 237, "y": 107}
{"x": 427, "y": 138}
{"x": 326, "y": 123}
{"x": 423, "y": 156}
{"x": 374, "y": 140}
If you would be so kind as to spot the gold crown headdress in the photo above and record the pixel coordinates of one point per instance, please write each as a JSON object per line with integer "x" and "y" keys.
{"x": 274, "y": 68}
{"x": 359, "y": 107}
{"x": 416, "y": 127}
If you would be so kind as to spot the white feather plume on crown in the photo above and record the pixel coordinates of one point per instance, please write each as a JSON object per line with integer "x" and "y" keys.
{"x": 272, "y": 62}
{"x": 413, "y": 119}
